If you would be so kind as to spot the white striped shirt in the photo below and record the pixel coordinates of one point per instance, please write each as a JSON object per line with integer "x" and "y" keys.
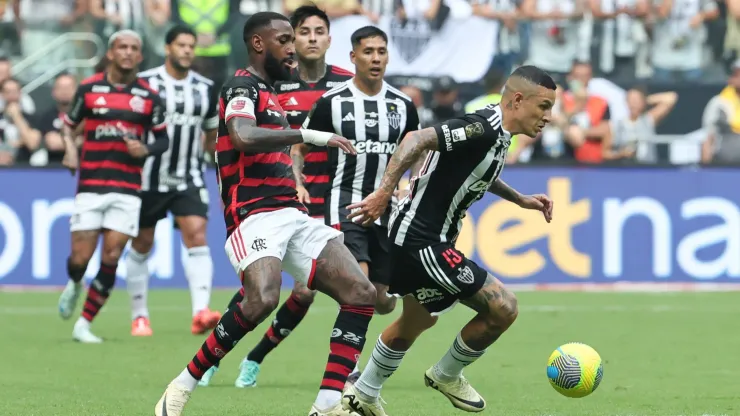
{"x": 191, "y": 107}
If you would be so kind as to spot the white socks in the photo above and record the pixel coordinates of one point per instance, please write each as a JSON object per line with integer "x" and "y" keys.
{"x": 137, "y": 282}
{"x": 382, "y": 364}
{"x": 199, "y": 272}
{"x": 459, "y": 356}
{"x": 186, "y": 380}
{"x": 327, "y": 399}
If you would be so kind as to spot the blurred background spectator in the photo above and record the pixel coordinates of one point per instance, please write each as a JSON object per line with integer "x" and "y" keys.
{"x": 631, "y": 72}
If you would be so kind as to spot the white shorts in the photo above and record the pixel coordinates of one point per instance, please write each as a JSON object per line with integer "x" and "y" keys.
{"x": 288, "y": 234}
{"x": 112, "y": 211}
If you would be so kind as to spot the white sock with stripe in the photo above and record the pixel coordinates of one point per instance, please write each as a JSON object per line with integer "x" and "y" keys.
{"x": 459, "y": 356}
{"x": 382, "y": 364}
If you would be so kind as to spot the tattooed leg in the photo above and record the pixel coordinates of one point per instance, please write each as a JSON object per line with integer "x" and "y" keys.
{"x": 339, "y": 275}
{"x": 497, "y": 310}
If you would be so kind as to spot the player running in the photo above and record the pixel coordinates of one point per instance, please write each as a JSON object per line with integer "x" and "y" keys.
{"x": 268, "y": 229}
{"x": 174, "y": 182}
{"x": 297, "y": 96}
{"x": 119, "y": 109}
{"x": 466, "y": 159}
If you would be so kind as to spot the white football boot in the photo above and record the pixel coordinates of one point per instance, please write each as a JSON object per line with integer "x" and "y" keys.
{"x": 459, "y": 392}
{"x": 355, "y": 401}
{"x": 82, "y": 333}
{"x": 337, "y": 410}
{"x": 173, "y": 401}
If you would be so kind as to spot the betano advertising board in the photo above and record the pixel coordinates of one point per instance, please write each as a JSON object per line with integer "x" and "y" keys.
{"x": 610, "y": 225}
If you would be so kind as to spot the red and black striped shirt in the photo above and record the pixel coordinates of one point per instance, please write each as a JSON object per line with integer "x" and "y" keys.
{"x": 250, "y": 183}
{"x": 110, "y": 114}
{"x": 297, "y": 97}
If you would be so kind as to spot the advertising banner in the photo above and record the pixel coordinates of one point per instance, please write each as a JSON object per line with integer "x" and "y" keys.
{"x": 610, "y": 225}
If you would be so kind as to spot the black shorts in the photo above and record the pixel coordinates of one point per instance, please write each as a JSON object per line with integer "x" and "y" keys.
{"x": 154, "y": 205}
{"x": 438, "y": 276}
{"x": 370, "y": 245}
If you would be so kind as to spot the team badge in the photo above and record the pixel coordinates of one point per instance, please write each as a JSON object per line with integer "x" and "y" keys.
{"x": 394, "y": 118}
{"x": 137, "y": 104}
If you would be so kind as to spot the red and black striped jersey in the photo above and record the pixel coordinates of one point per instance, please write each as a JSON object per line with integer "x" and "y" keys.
{"x": 297, "y": 97}
{"x": 112, "y": 113}
{"x": 250, "y": 183}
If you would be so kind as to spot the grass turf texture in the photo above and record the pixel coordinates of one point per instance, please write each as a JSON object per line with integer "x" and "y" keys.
{"x": 665, "y": 354}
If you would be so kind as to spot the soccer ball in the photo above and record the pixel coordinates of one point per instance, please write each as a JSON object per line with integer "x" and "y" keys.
{"x": 575, "y": 370}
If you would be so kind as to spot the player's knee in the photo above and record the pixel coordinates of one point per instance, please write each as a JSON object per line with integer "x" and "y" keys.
{"x": 143, "y": 244}
{"x": 384, "y": 304}
{"x": 79, "y": 260}
{"x": 504, "y": 312}
{"x": 363, "y": 293}
{"x": 258, "y": 306}
{"x": 303, "y": 295}
{"x": 194, "y": 238}
{"x": 111, "y": 255}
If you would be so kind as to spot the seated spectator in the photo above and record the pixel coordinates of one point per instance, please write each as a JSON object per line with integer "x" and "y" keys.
{"x": 19, "y": 139}
{"x": 632, "y": 136}
{"x": 50, "y": 123}
{"x": 445, "y": 103}
{"x": 27, "y": 104}
{"x": 558, "y": 140}
{"x": 721, "y": 121}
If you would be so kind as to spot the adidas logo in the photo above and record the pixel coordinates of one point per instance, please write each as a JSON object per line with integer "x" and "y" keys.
{"x": 101, "y": 101}
{"x": 269, "y": 102}
{"x": 349, "y": 117}
{"x": 292, "y": 101}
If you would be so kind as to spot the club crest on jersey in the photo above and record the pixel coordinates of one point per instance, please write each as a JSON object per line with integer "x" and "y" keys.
{"x": 290, "y": 87}
{"x": 394, "y": 118}
{"x": 137, "y": 104}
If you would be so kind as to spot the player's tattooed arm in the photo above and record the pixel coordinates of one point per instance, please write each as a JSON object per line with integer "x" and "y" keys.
{"x": 410, "y": 153}
{"x": 247, "y": 137}
{"x": 500, "y": 188}
{"x": 297, "y": 154}
{"x": 209, "y": 142}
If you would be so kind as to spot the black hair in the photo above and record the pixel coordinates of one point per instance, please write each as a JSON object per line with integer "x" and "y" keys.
{"x": 176, "y": 31}
{"x": 535, "y": 75}
{"x": 367, "y": 32}
{"x": 4, "y": 59}
{"x": 257, "y": 21}
{"x": 9, "y": 80}
{"x": 102, "y": 64}
{"x": 304, "y": 12}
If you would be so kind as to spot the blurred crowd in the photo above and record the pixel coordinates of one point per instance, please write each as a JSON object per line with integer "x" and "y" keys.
{"x": 589, "y": 46}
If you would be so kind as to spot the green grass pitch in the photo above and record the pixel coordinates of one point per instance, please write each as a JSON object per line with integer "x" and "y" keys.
{"x": 665, "y": 354}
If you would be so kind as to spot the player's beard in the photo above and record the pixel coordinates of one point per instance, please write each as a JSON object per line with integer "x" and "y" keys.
{"x": 276, "y": 70}
{"x": 177, "y": 65}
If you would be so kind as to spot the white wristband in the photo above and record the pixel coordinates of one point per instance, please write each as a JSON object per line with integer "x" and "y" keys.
{"x": 315, "y": 137}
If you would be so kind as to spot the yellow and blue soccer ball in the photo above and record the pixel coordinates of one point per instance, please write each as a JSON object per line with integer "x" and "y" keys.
{"x": 575, "y": 370}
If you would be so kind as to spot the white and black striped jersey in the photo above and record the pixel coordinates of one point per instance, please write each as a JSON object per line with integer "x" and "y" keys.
{"x": 472, "y": 152}
{"x": 375, "y": 125}
{"x": 191, "y": 107}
